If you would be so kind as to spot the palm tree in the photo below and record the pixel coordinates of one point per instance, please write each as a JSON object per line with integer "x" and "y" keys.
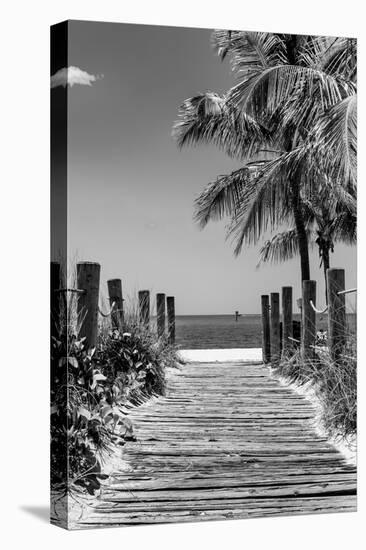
{"x": 276, "y": 121}
{"x": 326, "y": 223}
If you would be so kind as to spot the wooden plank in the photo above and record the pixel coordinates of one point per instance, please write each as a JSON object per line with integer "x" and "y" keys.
{"x": 226, "y": 441}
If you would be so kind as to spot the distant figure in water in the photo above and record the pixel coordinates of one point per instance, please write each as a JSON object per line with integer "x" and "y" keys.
{"x": 237, "y": 315}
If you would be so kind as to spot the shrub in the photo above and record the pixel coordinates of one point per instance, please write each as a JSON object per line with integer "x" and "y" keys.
{"x": 133, "y": 364}
{"x": 88, "y": 390}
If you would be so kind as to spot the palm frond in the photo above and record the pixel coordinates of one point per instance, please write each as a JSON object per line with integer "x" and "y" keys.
{"x": 296, "y": 97}
{"x": 207, "y": 118}
{"x": 249, "y": 50}
{"x": 334, "y": 55}
{"x": 267, "y": 203}
{"x": 269, "y": 88}
{"x": 222, "y": 197}
{"x": 334, "y": 140}
{"x": 282, "y": 247}
{"x": 344, "y": 228}
{"x": 332, "y": 195}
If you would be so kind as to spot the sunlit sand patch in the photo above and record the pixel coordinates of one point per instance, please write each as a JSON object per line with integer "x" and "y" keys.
{"x": 246, "y": 355}
{"x": 347, "y": 447}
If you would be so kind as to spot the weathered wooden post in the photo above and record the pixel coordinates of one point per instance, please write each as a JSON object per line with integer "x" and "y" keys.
{"x": 287, "y": 328}
{"x": 116, "y": 297}
{"x": 308, "y": 320}
{"x": 144, "y": 308}
{"x": 336, "y": 312}
{"x": 266, "y": 338}
{"x": 299, "y": 327}
{"x": 160, "y": 314}
{"x": 55, "y": 298}
{"x": 275, "y": 328}
{"x": 88, "y": 278}
{"x": 171, "y": 318}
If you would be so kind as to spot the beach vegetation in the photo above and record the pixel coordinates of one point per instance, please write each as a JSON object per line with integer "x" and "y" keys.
{"x": 327, "y": 222}
{"x": 291, "y": 122}
{"x": 91, "y": 390}
{"x": 333, "y": 382}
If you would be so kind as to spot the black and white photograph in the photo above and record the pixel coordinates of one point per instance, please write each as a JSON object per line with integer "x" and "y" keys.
{"x": 203, "y": 274}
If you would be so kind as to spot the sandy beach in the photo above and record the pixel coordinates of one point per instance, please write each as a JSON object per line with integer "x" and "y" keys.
{"x": 246, "y": 355}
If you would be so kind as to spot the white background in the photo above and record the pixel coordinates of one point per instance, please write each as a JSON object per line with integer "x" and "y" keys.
{"x": 24, "y": 218}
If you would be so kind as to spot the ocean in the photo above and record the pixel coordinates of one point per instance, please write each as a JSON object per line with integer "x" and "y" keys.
{"x": 222, "y": 331}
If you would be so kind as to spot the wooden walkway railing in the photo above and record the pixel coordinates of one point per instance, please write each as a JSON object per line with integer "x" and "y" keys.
{"x": 272, "y": 342}
{"x": 88, "y": 290}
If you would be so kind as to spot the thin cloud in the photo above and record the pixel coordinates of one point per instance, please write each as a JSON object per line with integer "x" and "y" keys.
{"x": 73, "y": 75}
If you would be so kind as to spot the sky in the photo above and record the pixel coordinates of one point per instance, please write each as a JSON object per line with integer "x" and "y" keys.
{"x": 131, "y": 190}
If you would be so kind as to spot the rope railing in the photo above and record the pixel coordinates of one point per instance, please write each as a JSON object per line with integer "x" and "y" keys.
{"x": 76, "y": 290}
{"x": 80, "y": 291}
{"x": 316, "y": 309}
{"x": 324, "y": 310}
{"x": 110, "y": 311}
{"x": 276, "y": 341}
{"x": 89, "y": 308}
{"x": 347, "y": 291}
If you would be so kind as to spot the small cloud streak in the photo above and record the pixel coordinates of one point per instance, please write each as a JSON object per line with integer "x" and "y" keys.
{"x": 151, "y": 226}
{"x": 73, "y": 75}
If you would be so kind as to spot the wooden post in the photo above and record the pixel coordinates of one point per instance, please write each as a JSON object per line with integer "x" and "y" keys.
{"x": 116, "y": 297}
{"x": 275, "y": 328}
{"x": 266, "y": 337}
{"x": 336, "y": 312}
{"x": 144, "y": 308}
{"x": 55, "y": 298}
{"x": 299, "y": 305}
{"x": 160, "y": 314}
{"x": 171, "y": 318}
{"x": 287, "y": 330}
{"x": 88, "y": 277}
{"x": 308, "y": 321}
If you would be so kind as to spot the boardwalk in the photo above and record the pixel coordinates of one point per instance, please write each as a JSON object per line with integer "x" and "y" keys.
{"x": 227, "y": 441}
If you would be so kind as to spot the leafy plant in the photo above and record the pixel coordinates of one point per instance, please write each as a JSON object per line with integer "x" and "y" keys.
{"x": 89, "y": 388}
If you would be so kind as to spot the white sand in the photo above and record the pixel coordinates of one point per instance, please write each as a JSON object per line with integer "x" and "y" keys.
{"x": 347, "y": 447}
{"x": 246, "y": 355}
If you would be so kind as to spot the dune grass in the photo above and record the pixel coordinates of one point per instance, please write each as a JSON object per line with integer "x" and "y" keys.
{"x": 333, "y": 381}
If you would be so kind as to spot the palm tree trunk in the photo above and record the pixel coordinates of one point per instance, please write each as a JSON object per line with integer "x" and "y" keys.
{"x": 300, "y": 230}
{"x": 326, "y": 265}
